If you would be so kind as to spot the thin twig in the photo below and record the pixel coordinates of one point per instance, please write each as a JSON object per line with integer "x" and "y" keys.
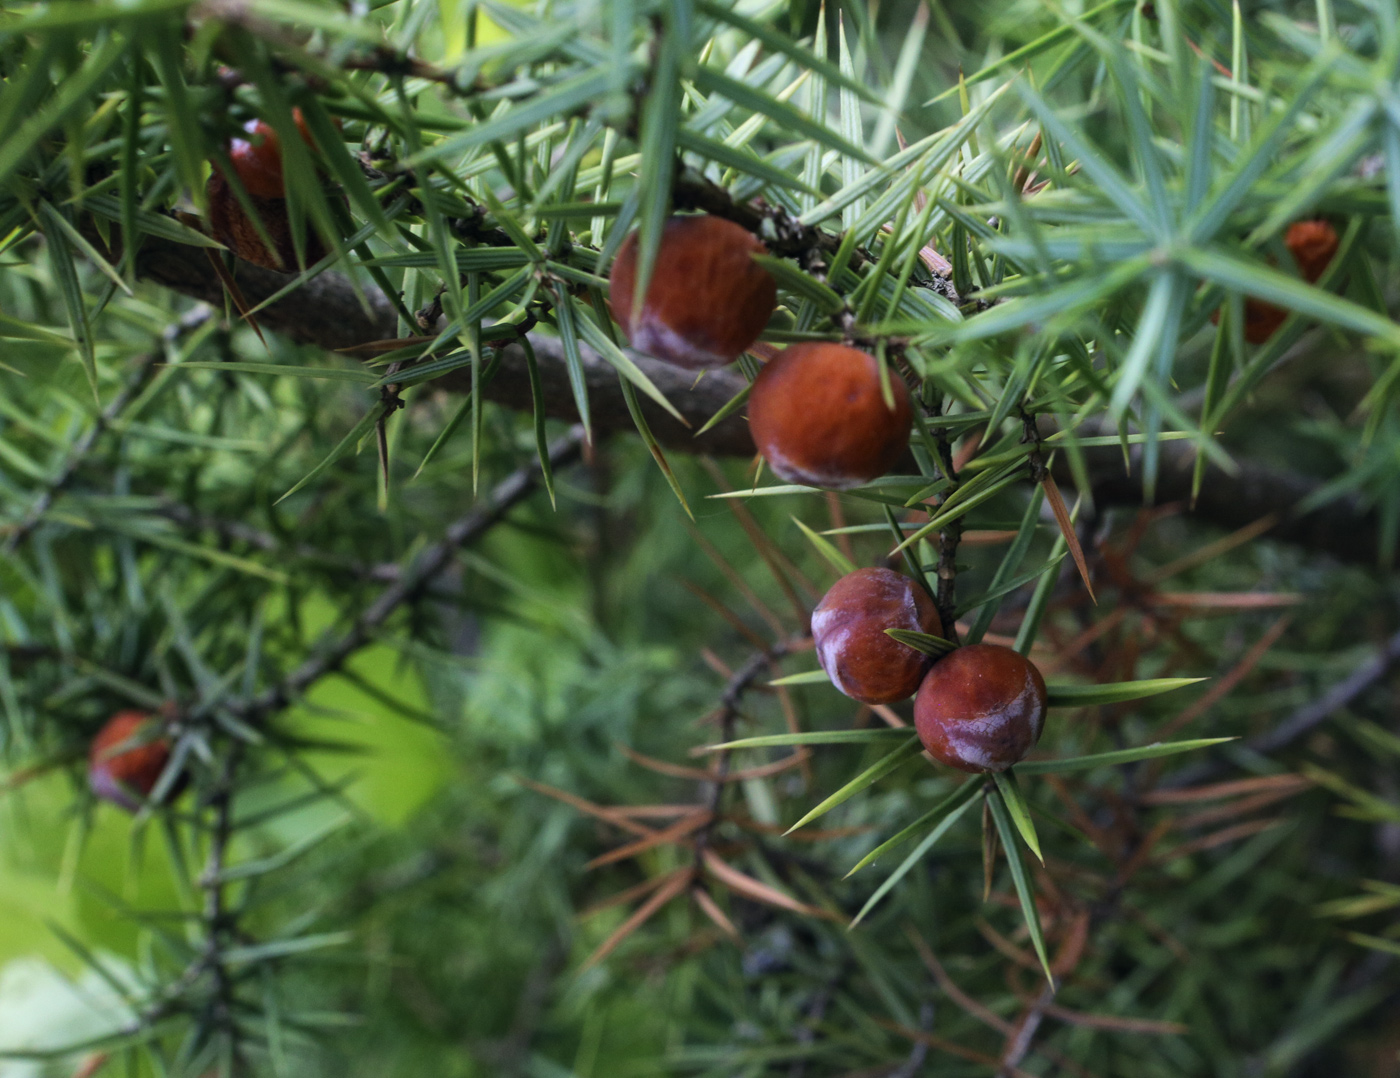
{"x": 1018, "y": 1045}
{"x": 414, "y": 581}
{"x": 1304, "y": 719}
{"x": 816, "y": 1011}
{"x": 949, "y": 536}
{"x": 1334, "y": 699}
{"x": 78, "y": 454}
{"x": 219, "y": 925}
{"x": 734, "y": 691}
{"x": 919, "y": 1053}
{"x": 784, "y": 234}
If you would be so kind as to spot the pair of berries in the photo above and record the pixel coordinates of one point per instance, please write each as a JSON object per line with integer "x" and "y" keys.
{"x": 817, "y": 411}
{"x": 979, "y": 708}
{"x": 127, "y": 758}
{"x": 257, "y": 160}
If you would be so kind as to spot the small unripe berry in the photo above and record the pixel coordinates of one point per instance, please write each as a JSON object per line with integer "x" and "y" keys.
{"x": 980, "y": 708}
{"x": 818, "y": 416}
{"x": 127, "y": 758}
{"x": 848, "y": 627}
{"x": 707, "y": 300}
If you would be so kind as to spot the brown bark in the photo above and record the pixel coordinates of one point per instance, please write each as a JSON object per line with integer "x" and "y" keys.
{"x": 327, "y": 312}
{"x": 1345, "y": 529}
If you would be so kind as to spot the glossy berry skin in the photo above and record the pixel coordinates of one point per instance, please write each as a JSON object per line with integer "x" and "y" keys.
{"x": 848, "y": 627}
{"x": 707, "y": 300}
{"x": 258, "y": 158}
{"x": 126, "y": 759}
{"x": 980, "y": 708}
{"x": 818, "y": 417}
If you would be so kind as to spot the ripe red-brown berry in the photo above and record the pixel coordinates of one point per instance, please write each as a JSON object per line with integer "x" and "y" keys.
{"x": 707, "y": 300}
{"x": 1261, "y": 319}
{"x": 231, "y": 226}
{"x": 980, "y": 708}
{"x": 258, "y": 162}
{"x": 258, "y": 158}
{"x": 818, "y": 416}
{"x": 1313, "y": 245}
{"x": 126, "y": 759}
{"x": 848, "y": 627}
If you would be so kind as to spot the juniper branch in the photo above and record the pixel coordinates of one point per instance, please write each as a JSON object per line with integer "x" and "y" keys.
{"x": 327, "y": 311}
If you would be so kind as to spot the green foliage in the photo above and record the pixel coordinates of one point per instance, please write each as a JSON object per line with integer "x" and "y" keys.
{"x": 480, "y": 784}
